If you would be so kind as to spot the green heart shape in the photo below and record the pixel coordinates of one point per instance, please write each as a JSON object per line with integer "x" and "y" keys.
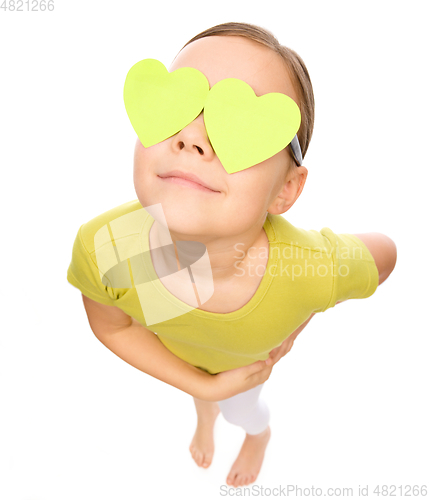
{"x": 245, "y": 129}
{"x": 158, "y": 103}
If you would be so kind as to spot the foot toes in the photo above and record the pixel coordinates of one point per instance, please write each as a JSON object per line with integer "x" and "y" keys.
{"x": 207, "y": 460}
{"x": 230, "y": 479}
{"x": 236, "y": 480}
{"x": 194, "y": 454}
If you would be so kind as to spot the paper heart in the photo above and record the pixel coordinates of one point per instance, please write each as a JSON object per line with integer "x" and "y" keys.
{"x": 245, "y": 129}
{"x": 158, "y": 103}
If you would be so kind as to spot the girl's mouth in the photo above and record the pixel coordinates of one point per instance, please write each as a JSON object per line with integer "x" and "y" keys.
{"x": 187, "y": 183}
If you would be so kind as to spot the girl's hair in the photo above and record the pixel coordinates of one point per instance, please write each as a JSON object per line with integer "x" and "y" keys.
{"x": 294, "y": 64}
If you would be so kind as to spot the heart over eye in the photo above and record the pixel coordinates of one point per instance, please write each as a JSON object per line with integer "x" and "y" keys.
{"x": 158, "y": 103}
{"x": 245, "y": 129}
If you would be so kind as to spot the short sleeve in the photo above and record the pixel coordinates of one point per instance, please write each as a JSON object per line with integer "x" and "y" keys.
{"x": 354, "y": 272}
{"x": 84, "y": 274}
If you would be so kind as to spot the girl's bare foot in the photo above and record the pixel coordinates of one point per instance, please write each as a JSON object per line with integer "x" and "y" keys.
{"x": 246, "y": 468}
{"x": 202, "y": 445}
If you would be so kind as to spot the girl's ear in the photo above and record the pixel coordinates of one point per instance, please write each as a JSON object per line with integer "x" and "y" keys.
{"x": 292, "y": 188}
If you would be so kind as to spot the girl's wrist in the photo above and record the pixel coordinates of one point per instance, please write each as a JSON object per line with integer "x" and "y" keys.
{"x": 204, "y": 384}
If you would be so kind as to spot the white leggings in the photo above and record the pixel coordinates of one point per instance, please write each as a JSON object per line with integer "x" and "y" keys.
{"x": 246, "y": 410}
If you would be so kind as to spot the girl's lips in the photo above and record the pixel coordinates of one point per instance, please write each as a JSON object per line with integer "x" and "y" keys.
{"x": 187, "y": 183}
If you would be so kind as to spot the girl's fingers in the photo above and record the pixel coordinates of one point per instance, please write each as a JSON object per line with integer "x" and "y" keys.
{"x": 277, "y": 353}
{"x": 272, "y": 360}
{"x": 265, "y": 374}
{"x": 255, "y": 367}
{"x": 274, "y": 352}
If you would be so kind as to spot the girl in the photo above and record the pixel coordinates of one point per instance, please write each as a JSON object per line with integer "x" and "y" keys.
{"x": 268, "y": 277}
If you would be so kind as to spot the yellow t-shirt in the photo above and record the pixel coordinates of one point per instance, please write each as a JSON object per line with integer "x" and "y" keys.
{"x": 307, "y": 272}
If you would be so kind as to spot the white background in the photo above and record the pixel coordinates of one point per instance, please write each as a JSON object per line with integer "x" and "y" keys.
{"x": 349, "y": 403}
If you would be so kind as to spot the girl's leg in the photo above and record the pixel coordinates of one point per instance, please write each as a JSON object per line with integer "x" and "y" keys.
{"x": 247, "y": 410}
{"x": 251, "y": 413}
{"x": 202, "y": 445}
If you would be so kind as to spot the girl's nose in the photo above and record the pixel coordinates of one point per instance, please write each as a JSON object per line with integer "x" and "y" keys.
{"x": 193, "y": 138}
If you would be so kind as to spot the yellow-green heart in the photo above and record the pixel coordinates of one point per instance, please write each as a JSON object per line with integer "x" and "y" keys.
{"x": 158, "y": 103}
{"x": 245, "y": 129}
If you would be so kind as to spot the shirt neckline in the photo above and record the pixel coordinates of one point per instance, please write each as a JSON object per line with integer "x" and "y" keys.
{"x": 258, "y": 296}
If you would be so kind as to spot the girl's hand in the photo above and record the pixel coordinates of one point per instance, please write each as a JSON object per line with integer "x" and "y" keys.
{"x": 280, "y": 351}
{"x": 226, "y": 384}
{"x": 229, "y": 383}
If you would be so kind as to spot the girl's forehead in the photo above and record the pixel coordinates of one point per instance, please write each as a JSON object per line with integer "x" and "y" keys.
{"x": 220, "y": 57}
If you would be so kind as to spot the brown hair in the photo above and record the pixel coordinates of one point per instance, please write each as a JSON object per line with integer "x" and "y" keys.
{"x": 295, "y": 65}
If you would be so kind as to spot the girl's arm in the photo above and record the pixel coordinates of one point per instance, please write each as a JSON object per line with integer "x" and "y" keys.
{"x": 141, "y": 348}
{"x": 383, "y": 251}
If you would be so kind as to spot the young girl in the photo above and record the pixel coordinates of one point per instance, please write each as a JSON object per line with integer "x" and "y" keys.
{"x": 217, "y": 335}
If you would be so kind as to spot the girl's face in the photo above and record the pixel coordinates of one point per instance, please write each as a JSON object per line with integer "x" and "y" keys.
{"x": 237, "y": 201}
